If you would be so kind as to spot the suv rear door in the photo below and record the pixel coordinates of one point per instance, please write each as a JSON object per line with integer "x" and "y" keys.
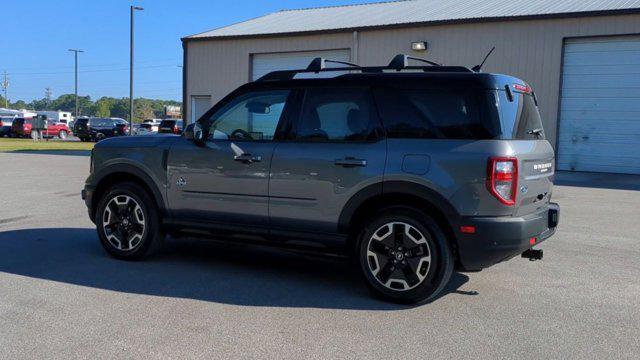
{"x": 335, "y": 148}
{"x": 522, "y": 126}
{"x": 227, "y": 179}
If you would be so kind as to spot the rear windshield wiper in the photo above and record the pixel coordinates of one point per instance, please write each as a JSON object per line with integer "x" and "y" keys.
{"x": 537, "y": 132}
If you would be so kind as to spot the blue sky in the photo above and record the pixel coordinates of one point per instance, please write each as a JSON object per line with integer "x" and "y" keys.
{"x": 36, "y": 35}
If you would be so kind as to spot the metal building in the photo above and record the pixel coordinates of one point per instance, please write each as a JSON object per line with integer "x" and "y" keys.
{"x": 582, "y": 57}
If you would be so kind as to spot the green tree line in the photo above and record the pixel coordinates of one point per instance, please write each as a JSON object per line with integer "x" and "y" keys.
{"x": 103, "y": 107}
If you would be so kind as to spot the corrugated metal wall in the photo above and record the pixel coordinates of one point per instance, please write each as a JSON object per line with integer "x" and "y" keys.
{"x": 531, "y": 50}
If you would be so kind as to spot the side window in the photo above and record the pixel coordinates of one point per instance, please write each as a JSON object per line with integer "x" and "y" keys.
{"x": 400, "y": 118}
{"x": 253, "y": 116}
{"x": 435, "y": 113}
{"x": 331, "y": 114}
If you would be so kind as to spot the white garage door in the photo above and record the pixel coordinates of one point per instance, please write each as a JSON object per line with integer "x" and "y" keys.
{"x": 265, "y": 63}
{"x": 600, "y": 105}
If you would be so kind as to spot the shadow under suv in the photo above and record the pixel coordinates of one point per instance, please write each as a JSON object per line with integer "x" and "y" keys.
{"x": 412, "y": 174}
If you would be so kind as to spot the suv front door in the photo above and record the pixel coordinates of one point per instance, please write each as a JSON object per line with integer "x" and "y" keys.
{"x": 227, "y": 179}
{"x": 336, "y": 148}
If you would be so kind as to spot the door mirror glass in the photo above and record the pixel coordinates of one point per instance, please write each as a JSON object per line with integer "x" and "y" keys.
{"x": 199, "y": 136}
{"x": 188, "y": 132}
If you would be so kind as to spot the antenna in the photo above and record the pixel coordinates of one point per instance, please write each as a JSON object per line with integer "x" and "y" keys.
{"x": 478, "y": 68}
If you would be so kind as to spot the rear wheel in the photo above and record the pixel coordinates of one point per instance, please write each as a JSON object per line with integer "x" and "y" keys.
{"x": 404, "y": 256}
{"x": 99, "y": 137}
{"x": 128, "y": 222}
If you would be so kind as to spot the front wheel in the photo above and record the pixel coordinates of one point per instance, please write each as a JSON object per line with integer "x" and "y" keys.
{"x": 404, "y": 256}
{"x": 62, "y": 135}
{"x": 128, "y": 222}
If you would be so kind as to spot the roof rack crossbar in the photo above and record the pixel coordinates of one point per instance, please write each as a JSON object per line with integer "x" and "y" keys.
{"x": 401, "y": 61}
{"x": 318, "y": 64}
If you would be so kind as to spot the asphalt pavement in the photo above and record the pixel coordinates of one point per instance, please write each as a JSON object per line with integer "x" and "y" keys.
{"x": 61, "y": 296}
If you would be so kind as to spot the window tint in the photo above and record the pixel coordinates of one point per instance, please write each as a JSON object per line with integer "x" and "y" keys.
{"x": 336, "y": 115}
{"x": 252, "y": 116}
{"x": 520, "y": 117}
{"x": 436, "y": 113}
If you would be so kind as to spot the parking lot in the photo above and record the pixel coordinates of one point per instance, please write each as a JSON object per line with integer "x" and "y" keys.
{"x": 62, "y": 296}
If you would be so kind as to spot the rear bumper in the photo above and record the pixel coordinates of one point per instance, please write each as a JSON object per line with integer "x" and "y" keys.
{"x": 497, "y": 239}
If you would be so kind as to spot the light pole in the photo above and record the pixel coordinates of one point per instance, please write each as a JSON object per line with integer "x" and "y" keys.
{"x": 75, "y": 53}
{"x": 5, "y": 85}
{"x": 133, "y": 9}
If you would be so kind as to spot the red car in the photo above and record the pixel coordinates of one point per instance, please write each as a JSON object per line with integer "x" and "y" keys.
{"x": 22, "y": 128}
{"x": 60, "y": 130}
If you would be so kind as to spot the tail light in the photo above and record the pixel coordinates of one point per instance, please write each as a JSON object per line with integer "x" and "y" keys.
{"x": 502, "y": 179}
{"x": 175, "y": 129}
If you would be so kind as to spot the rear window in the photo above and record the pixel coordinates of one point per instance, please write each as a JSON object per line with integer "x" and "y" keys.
{"x": 437, "y": 114}
{"x": 167, "y": 123}
{"x": 82, "y": 121}
{"x": 102, "y": 122}
{"x": 145, "y": 126}
{"x": 520, "y": 118}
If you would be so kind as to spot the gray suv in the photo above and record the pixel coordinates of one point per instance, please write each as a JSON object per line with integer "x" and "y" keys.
{"x": 412, "y": 171}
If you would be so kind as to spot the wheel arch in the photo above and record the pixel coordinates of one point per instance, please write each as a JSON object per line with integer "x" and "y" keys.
{"x": 372, "y": 199}
{"x": 125, "y": 172}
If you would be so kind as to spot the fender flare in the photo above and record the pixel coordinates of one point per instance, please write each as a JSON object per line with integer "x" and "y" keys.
{"x": 134, "y": 171}
{"x": 397, "y": 187}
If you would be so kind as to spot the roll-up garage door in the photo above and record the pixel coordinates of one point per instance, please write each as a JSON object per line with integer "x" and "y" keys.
{"x": 263, "y": 64}
{"x": 600, "y": 105}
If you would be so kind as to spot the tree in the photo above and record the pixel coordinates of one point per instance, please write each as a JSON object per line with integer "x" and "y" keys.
{"x": 143, "y": 109}
{"x": 18, "y": 105}
{"x": 103, "y": 107}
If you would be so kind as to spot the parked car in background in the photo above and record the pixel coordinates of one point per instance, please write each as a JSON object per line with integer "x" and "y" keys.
{"x": 56, "y": 129}
{"x": 144, "y": 129}
{"x": 96, "y": 129}
{"x": 155, "y": 124}
{"x": 21, "y": 127}
{"x": 5, "y": 125}
{"x": 171, "y": 126}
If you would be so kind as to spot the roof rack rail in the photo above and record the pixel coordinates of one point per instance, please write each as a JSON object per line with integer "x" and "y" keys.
{"x": 399, "y": 63}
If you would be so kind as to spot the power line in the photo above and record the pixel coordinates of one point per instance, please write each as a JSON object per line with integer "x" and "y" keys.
{"x": 93, "y": 71}
{"x": 172, "y": 61}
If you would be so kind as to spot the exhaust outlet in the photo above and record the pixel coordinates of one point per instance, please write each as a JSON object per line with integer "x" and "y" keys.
{"x": 533, "y": 255}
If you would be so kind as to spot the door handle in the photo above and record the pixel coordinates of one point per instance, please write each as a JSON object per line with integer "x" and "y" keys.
{"x": 247, "y": 158}
{"x": 351, "y": 162}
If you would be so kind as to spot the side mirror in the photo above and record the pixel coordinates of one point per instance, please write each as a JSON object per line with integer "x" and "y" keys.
{"x": 188, "y": 132}
{"x": 200, "y": 134}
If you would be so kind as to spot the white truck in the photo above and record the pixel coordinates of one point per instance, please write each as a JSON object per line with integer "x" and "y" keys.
{"x": 57, "y": 116}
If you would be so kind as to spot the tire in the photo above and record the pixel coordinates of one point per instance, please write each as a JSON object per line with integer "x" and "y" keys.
{"x": 417, "y": 272}
{"x": 99, "y": 137}
{"x": 128, "y": 222}
{"x": 62, "y": 135}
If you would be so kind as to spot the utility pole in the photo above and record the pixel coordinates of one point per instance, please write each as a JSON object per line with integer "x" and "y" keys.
{"x": 5, "y": 85}
{"x": 75, "y": 52}
{"x": 48, "y": 93}
{"x": 132, "y": 9}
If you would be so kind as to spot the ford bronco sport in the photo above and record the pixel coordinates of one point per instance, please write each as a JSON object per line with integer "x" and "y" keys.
{"x": 413, "y": 171}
